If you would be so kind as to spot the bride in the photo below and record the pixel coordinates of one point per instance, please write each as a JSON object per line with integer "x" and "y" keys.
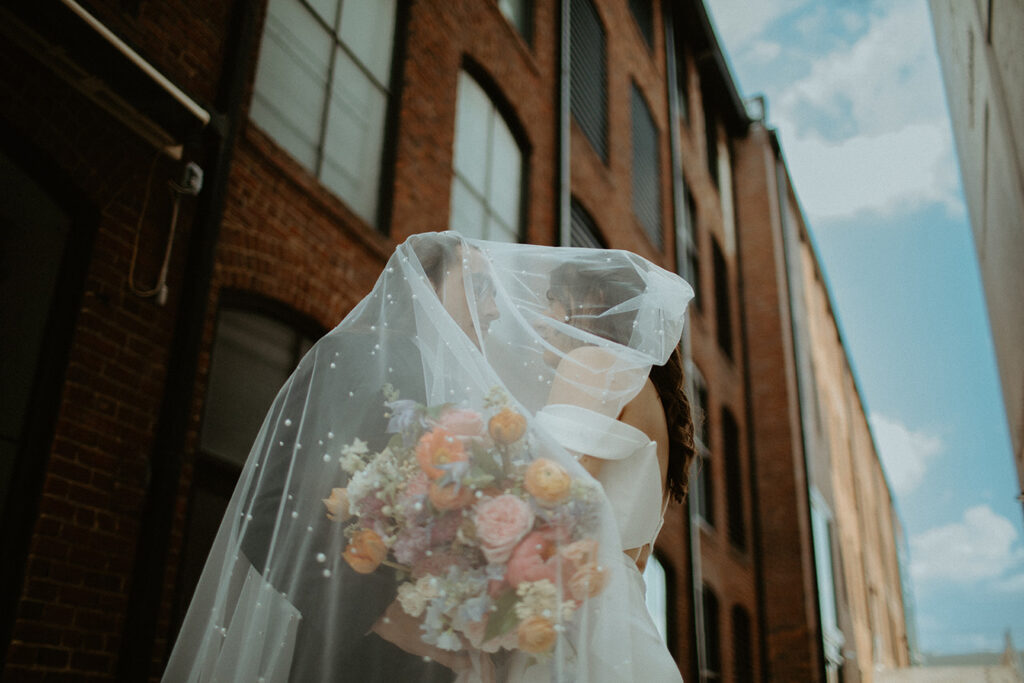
{"x": 458, "y": 482}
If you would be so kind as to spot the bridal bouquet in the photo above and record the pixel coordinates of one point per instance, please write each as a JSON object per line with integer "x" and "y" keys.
{"x": 494, "y": 545}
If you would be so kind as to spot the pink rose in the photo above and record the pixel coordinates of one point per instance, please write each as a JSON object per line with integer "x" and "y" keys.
{"x": 461, "y": 422}
{"x": 500, "y": 523}
{"x": 535, "y": 558}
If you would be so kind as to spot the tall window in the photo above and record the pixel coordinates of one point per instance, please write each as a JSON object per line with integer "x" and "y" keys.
{"x": 712, "y": 669}
{"x": 487, "y": 186}
{"x": 733, "y": 479}
{"x": 711, "y": 139}
{"x": 588, "y": 86}
{"x": 322, "y": 89}
{"x": 253, "y": 354}
{"x": 687, "y": 262}
{"x": 742, "y": 651}
{"x": 646, "y": 175}
{"x": 821, "y": 529}
{"x": 583, "y": 231}
{"x": 723, "y": 299}
{"x": 703, "y": 488}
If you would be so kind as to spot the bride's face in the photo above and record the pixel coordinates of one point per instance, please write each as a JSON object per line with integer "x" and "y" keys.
{"x": 557, "y": 310}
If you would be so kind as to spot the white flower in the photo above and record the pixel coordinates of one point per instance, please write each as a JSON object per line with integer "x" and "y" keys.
{"x": 412, "y": 600}
{"x": 540, "y": 599}
{"x": 449, "y": 641}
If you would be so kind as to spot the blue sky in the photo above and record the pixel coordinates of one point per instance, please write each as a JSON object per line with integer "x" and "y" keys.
{"x": 855, "y": 91}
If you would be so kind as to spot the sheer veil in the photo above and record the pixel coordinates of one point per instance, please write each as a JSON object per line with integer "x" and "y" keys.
{"x": 400, "y": 473}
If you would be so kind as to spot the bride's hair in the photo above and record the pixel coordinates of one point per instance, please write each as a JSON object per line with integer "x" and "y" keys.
{"x": 581, "y": 289}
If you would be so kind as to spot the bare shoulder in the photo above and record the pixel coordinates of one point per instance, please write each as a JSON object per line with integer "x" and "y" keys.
{"x": 646, "y": 413}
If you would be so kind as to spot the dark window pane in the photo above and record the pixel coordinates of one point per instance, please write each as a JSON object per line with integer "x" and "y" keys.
{"x": 588, "y": 94}
{"x": 643, "y": 12}
{"x": 711, "y": 140}
{"x": 742, "y": 659}
{"x": 584, "y": 231}
{"x": 733, "y": 479}
{"x": 723, "y": 306}
{"x": 712, "y": 637}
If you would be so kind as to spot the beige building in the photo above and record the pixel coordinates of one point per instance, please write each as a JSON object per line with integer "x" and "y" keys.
{"x": 846, "y": 537}
{"x": 980, "y": 48}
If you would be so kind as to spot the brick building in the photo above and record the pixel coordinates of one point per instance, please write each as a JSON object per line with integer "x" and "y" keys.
{"x": 328, "y": 132}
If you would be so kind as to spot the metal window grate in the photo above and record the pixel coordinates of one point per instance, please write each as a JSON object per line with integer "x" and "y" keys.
{"x": 584, "y": 231}
{"x": 646, "y": 178}
{"x": 588, "y": 88}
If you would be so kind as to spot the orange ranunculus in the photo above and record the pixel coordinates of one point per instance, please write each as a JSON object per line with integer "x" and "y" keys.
{"x": 438, "y": 447}
{"x": 547, "y": 481}
{"x": 587, "y": 581}
{"x": 366, "y": 551}
{"x": 536, "y": 635}
{"x": 507, "y": 426}
{"x": 450, "y": 496}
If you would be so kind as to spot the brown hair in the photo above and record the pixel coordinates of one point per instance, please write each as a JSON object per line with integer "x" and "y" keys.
{"x": 668, "y": 381}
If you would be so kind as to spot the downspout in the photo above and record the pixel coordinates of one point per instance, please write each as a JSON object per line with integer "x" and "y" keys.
{"x": 678, "y": 214}
{"x": 147, "y": 586}
{"x": 564, "y": 123}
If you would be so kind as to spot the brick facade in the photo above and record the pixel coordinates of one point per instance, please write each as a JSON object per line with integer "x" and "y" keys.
{"x": 86, "y": 506}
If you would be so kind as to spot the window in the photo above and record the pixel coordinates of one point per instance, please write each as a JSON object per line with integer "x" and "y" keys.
{"x": 518, "y": 14}
{"x": 723, "y": 300}
{"x": 733, "y": 480}
{"x": 821, "y": 530}
{"x": 742, "y": 653}
{"x": 588, "y": 87}
{"x": 656, "y": 581}
{"x": 643, "y": 13}
{"x": 703, "y": 489}
{"x": 646, "y": 176}
{"x": 682, "y": 83}
{"x": 687, "y": 262}
{"x": 253, "y": 354}
{"x": 487, "y": 186}
{"x": 712, "y": 665}
{"x": 711, "y": 140}
{"x": 584, "y": 231}
{"x": 322, "y": 89}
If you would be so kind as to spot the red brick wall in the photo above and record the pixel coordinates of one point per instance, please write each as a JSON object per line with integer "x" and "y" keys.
{"x": 792, "y": 639}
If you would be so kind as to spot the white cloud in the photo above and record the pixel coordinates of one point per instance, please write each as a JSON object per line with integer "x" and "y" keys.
{"x": 905, "y": 453}
{"x": 887, "y": 79}
{"x": 900, "y": 170}
{"x": 741, "y": 20}
{"x": 1012, "y": 585}
{"x": 983, "y": 546}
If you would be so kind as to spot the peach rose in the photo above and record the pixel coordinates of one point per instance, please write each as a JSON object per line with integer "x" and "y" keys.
{"x": 581, "y": 552}
{"x": 438, "y": 447}
{"x": 500, "y": 523}
{"x": 366, "y": 551}
{"x": 587, "y": 581}
{"x": 337, "y": 505}
{"x": 536, "y": 635}
{"x": 461, "y": 422}
{"x": 450, "y": 496}
{"x": 535, "y": 558}
{"x": 507, "y": 426}
{"x": 547, "y": 481}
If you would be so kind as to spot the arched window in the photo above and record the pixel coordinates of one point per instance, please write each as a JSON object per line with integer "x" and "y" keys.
{"x": 256, "y": 346}
{"x": 488, "y": 162}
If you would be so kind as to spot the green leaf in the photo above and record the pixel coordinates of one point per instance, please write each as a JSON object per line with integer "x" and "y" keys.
{"x": 504, "y": 618}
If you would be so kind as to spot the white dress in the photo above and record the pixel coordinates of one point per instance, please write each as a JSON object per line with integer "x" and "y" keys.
{"x": 630, "y": 476}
